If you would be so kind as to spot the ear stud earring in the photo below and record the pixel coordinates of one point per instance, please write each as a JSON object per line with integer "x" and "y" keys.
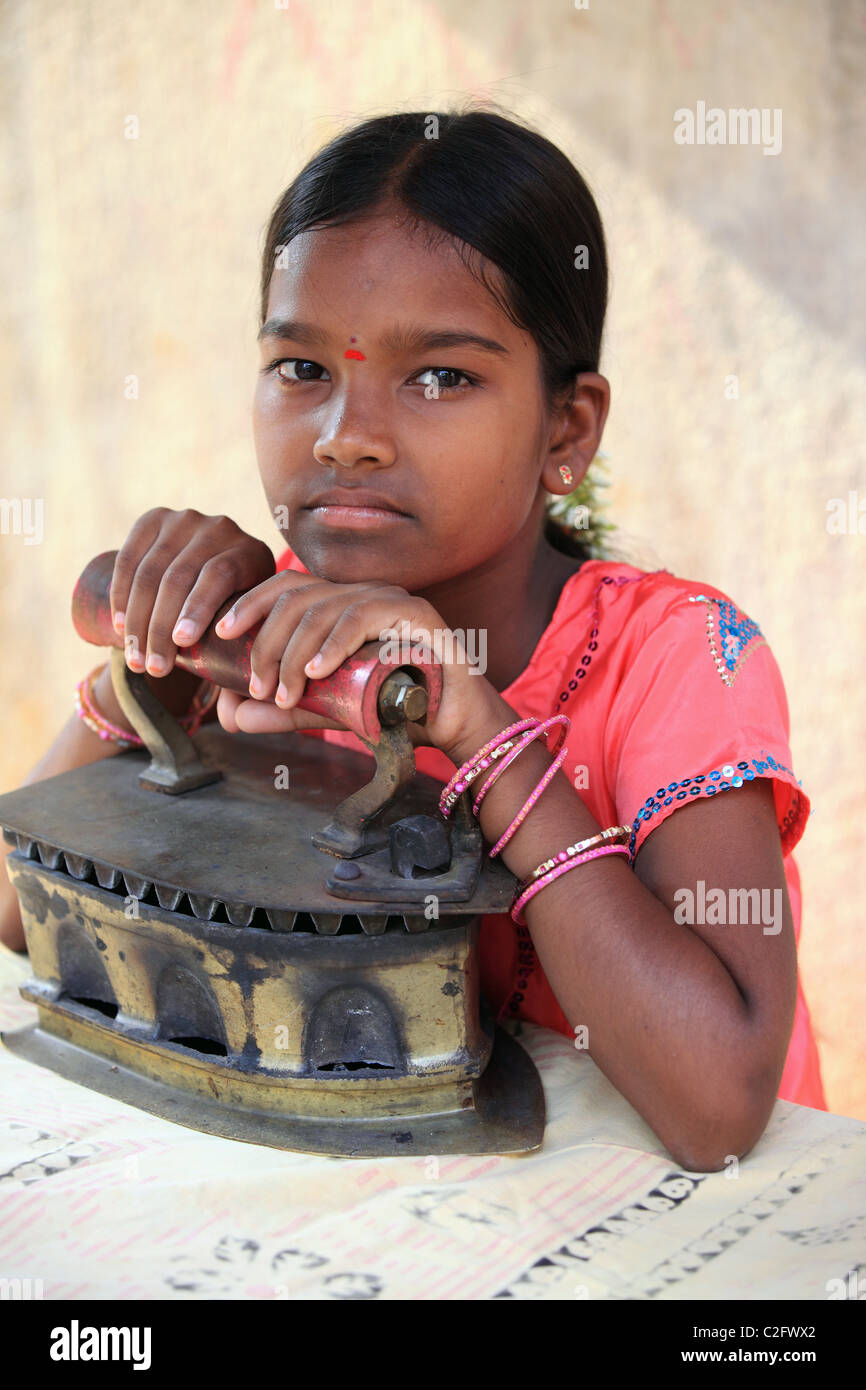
{"x": 566, "y": 474}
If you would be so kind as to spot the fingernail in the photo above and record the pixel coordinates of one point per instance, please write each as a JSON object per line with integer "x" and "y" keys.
{"x": 314, "y": 662}
{"x": 282, "y": 695}
{"x": 226, "y": 623}
{"x": 255, "y": 685}
{"x": 119, "y": 621}
{"x": 156, "y": 664}
{"x": 183, "y": 630}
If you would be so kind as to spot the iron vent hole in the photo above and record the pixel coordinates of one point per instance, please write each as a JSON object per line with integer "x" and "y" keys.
{"x": 355, "y": 1066}
{"x": 101, "y": 1005}
{"x": 205, "y": 1045}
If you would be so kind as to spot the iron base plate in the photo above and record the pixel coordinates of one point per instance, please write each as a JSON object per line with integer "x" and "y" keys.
{"x": 509, "y": 1099}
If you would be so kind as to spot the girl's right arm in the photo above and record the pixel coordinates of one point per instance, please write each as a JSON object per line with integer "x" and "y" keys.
{"x": 173, "y": 566}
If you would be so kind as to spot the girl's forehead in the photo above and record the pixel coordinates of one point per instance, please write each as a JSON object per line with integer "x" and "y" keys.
{"x": 359, "y": 293}
{"x": 384, "y": 255}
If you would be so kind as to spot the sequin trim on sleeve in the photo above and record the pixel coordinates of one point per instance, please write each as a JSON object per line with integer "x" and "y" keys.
{"x": 721, "y": 779}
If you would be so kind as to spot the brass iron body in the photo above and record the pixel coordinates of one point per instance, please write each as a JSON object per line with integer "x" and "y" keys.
{"x": 233, "y": 932}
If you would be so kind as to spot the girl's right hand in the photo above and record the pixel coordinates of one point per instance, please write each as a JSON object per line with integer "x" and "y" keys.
{"x": 172, "y": 574}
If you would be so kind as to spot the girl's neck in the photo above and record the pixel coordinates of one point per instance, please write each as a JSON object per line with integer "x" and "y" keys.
{"x": 512, "y": 599}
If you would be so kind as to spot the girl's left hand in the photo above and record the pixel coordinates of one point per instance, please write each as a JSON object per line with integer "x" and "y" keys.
{"x": 305, "y": 618}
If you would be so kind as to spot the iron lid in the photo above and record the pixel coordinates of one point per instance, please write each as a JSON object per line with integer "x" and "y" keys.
{"x": 241, "y": 839}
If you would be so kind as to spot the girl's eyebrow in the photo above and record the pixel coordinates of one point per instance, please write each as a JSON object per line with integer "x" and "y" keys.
{"x": 399, "y": 340}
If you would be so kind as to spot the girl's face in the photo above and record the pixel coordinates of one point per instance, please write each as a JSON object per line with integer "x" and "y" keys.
{"x": 452, "y": 433}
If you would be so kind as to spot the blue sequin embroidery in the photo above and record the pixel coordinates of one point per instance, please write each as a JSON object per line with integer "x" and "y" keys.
{"x": 719, "y": 780}
{"x": 735, "y": 634}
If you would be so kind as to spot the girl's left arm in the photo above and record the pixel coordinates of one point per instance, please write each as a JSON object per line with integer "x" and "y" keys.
{"x": 691, "y": 1023}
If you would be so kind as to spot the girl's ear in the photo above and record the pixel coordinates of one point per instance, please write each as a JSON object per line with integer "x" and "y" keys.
{"x": 576, "y": 427}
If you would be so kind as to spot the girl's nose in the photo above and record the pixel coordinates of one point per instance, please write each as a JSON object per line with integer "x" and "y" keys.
{"x": 356, "y": 435}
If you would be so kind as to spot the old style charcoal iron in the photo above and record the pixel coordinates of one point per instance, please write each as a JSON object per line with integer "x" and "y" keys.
{"x": 242, "y": 934}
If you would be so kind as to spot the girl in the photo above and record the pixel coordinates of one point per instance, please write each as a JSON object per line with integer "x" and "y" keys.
{"x": 433, "y": 298}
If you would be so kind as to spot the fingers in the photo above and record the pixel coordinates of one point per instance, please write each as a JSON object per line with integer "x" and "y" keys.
{"x": 220, "y": 576}
{"x": 335, "y": 626}
{"x": 240, "y": 715}
{"x": 138, "y": 542}
{"x": 234, "y": 570}
{"x": 172, "y": 574}
{"x": 259, "y": 601}
{"x": 165, "y": 575}
{"x": 291, "y": 606}
{"x": 227, "y": 704}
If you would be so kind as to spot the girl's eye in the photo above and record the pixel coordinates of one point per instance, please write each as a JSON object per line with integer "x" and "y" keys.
{"x": 298, "y": 370}
{"x": 443, "y": 386}
{"x": 301, "y": 363}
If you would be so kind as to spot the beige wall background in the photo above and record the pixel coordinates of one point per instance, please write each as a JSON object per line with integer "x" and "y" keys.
{"x": 140, "y": 257}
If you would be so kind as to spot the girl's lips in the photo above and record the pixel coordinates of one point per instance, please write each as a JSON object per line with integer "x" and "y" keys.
{"x": 331, "y": 515}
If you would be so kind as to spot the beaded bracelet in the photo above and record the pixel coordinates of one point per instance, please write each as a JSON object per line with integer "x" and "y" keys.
{"x": 541, "y": 727}
{"x": 616, "y": 833}
{"x": 89, "y": 712}
{"x": 475, "y": 765}
{"x": 520, "y": 901}
{"x": 496, "y": 748}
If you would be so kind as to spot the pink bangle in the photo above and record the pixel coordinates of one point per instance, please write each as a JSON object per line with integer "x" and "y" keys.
{"x": 526, "y": 739}
{"x": 549, "y": 774}
{"x": 618, "y": 834}
{"x": 528, "y": 805}
{"x": 530, "y": 892}
{"x": 90, "y": 714}
{"x": 475, "y": 765}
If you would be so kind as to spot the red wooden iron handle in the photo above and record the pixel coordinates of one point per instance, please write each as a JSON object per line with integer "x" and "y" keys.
{"x": 349, "y": 695}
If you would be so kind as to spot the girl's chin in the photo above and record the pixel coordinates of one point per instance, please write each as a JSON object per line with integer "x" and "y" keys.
{"x": 348, "y": 559}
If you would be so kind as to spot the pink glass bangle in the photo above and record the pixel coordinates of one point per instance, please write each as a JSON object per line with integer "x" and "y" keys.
{"x": 476, "y": 764}
{"x": 528, "y": 805}
{"x": 525, "y": 740}
{"x": 454, "y": 788}
{"x": 617, "y": 833}
{"x": 90, "y": 714}
{"x": 536, "y": 887}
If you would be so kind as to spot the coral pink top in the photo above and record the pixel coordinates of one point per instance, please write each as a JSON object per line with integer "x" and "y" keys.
{"x": 676, "y": 695}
